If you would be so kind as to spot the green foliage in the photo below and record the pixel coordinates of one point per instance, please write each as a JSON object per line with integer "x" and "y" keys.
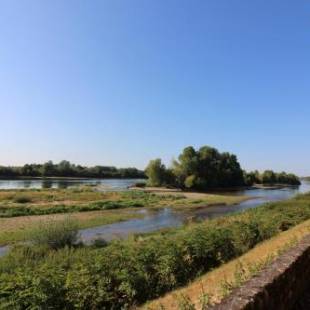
{"x": 55, "y": 234}
{"x": 130, "y": 272}
{"x": 200, "y": 170}
{"x": 251, "y": 177}
{"x": 140, "y": 184}
{"x": 22, "y": 199}
{"x": 67, "y": 169}
{"x": 284, "y": 178}
{"x": 158, "y": 174}
{"x": 270, "y": 177}
{"x": 130, "y": 199}
{"x": 207, "y": 168}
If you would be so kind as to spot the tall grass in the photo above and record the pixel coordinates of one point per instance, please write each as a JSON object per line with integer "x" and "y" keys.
{"x": 55, "y": 234}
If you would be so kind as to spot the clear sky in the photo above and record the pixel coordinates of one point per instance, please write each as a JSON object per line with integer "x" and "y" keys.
{"x": 121, "y": 82}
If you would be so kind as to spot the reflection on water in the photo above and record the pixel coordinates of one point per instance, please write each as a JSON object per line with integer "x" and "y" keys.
{"x": 3, "y": 250}
{"x": 106, "y": 184}
{"x": 169, "y": 218}
{"x": 151, "y": 222}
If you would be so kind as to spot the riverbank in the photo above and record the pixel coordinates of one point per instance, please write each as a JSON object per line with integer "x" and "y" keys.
{"x": 212, "y": 197}
{"x": 227, "y": 190}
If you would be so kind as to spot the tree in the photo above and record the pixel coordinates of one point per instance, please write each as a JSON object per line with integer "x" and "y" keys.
{"x": 64, "y": 169}
{"x": 207, "y": 168}
{"x": 157, "y": 173}
{"x": 269, "y": 177}
{"x": 48, "y": 169}
{"x": 251, "y": 177}
{"x": 187, "y": 165}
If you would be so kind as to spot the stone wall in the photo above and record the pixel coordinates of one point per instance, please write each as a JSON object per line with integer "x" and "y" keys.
{"x": 279, "y": 286}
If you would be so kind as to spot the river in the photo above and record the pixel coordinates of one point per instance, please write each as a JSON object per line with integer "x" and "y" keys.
{"x": 106, "y": 184}
{"x": 168, "y": 217}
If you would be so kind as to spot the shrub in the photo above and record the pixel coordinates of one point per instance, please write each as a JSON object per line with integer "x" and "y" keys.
{"x": 55, "y": 234}
{"x": 22, "y": 199}
{"x": 140, "y": 184}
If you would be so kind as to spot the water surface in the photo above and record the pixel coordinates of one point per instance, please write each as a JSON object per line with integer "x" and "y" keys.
{"x": 168, "y": 217}
{"x": 105, "y": 184}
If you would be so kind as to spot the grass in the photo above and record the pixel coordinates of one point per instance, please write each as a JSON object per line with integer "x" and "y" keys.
{"x": 38, "y": 202}
{"x": 219, "y": 282}
{"x": 55, "y": 234}
{"x": 20, "y": 228}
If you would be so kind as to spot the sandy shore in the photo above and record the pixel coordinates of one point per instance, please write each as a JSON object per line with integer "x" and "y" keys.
{"x": 175, "y": 192}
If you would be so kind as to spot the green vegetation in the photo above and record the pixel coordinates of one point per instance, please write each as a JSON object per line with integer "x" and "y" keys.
{"x": 197, "y": 170}
{"x": 269, "y": 177}
{"x": 207, "y": 168}
{"x": 16, "y": 229}
{"x": 66, "y": 169}
{"x": 158, "y": 174}
{"x": 217, "y": 283}
{"x": 130, "y": 272}
{"x": 55, "y": 235}
{"x": 15, "y": 203}
{"x": 22, "y": 199}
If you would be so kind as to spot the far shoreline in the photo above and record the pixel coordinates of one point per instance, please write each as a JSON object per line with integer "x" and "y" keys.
{"x": 70, "y": 178}
{"x": 214, "y": 190}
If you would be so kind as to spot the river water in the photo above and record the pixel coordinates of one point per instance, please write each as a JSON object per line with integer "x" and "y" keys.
{"x": 167, "y": 217}
{"x": 105, "y": 184}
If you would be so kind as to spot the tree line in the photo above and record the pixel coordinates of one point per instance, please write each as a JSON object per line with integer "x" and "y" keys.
{"x": 67, "y": 169}
{"x": 271, "y": 177}
{"x": 207, "y": 168}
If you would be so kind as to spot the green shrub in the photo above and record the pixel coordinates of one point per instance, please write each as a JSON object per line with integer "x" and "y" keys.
{"x": 55, "y": 234}
{"x": 22, "y": 199}
{"x": 140, "y": 184}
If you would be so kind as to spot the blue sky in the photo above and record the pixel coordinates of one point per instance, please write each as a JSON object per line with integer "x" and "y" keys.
{"x": 121, "y": 82}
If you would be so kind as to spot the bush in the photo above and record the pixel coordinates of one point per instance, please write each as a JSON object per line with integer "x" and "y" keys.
{"x": 55, "y": 235}
{"x": 140, "y": 184}
{"x": 22, "y": 199}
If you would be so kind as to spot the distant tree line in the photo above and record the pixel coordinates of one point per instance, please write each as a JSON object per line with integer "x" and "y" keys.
{"x": 207, "y": 168}
{"x": 270, "y": 177}
{"x": 67, "y": 169}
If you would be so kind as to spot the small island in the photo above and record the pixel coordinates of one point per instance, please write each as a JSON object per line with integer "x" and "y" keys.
{"x": 208, "y": 169}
